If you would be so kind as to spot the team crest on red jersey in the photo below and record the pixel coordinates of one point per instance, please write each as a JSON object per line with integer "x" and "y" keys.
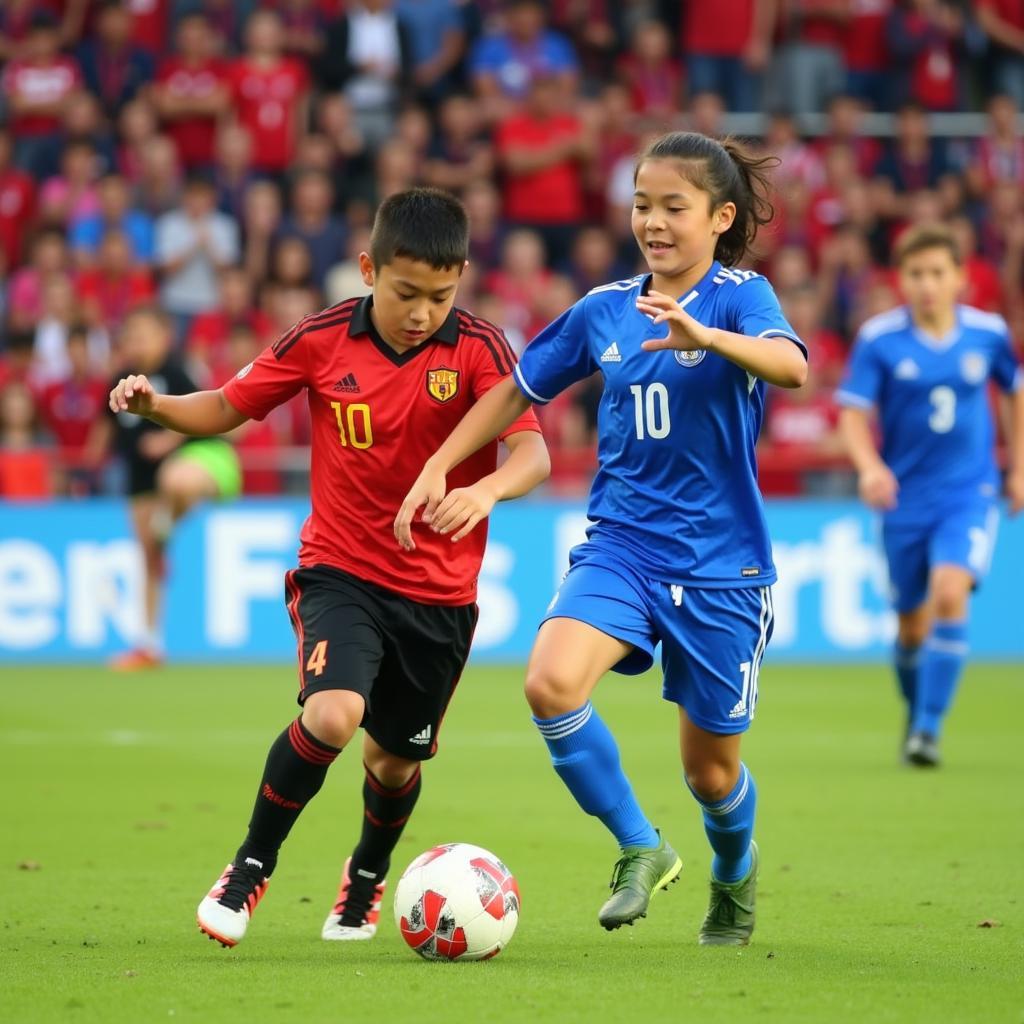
{"x": 443, "y": 384}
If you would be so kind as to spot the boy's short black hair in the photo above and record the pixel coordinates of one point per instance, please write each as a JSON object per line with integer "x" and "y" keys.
{"x": 424, "y": 224}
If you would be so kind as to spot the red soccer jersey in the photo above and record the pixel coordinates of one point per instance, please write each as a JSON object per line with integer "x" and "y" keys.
{"x": 266, "y": 102}
{"x": 549, "y": 195}
{"x": 17, "y": 208}
{"x": 718, "y": 27}
{"x": 45, "y": 84}
{"x": 377, "y": 417}
{"x": 194, "y": 136}
{"x": 149, "y": 24}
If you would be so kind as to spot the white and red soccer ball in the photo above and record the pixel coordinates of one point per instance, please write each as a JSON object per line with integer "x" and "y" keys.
{"x": 457, "y": 902}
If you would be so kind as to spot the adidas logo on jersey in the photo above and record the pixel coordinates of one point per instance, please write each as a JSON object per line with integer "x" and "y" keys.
{"x": 422, "y": 738}
{"x": 347, "y": 383}
{"x": 611, "y": 354}
{"x": 906, "y": 369}
{"x": 739, "y": 710}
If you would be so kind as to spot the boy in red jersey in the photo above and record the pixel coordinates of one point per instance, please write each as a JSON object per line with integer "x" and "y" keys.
{"x": 382, "y": 636}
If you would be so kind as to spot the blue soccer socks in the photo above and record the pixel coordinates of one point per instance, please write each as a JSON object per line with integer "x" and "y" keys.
{"x": 586, "y": 757}
{"x": 942, "y": 661}
{"x": 907, "y": 662}
{"x": 729, "y": 824}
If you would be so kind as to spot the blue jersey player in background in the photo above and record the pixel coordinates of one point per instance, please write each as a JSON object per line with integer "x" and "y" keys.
{"x": 926, "y": 368}
{"x": 677, "y": 551}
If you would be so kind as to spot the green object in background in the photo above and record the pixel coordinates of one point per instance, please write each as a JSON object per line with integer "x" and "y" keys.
{"x": 219, "y": 458}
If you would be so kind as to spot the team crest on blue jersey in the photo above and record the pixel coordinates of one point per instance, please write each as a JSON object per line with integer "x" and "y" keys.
{"x": 443, "y": 384}
{"x": 690, "y": 357}
{"x": 974, "y": 367}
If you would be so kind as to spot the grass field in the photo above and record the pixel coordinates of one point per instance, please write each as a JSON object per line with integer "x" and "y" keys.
{"x": 124, "y": 797}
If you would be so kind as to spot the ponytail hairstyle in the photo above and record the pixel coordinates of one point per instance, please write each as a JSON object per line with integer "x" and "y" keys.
{"x": 729, "y": 173}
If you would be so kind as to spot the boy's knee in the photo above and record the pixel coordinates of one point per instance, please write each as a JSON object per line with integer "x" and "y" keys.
{"x": 333, "y": 716}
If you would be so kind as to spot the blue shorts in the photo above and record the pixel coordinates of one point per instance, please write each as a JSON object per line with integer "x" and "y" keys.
{"x": 965, "y": 537}
{"x": 712, "y": 641}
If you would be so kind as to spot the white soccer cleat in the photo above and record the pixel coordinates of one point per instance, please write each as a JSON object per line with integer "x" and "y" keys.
{"x": 356, "y": 911}
{"x": 224, "y": 913}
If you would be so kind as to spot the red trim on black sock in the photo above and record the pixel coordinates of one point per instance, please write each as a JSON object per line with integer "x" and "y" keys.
{"x": 308, "y": 747}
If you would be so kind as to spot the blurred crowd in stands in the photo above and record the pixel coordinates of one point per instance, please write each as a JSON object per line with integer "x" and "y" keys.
{"x": 224, "y": 159}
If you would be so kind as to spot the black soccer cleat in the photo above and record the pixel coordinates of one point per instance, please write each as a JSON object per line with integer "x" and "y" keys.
{"x": 922, "y": 750}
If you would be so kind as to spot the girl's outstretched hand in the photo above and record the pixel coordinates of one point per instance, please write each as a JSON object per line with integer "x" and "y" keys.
{"x": 684, "y": 332}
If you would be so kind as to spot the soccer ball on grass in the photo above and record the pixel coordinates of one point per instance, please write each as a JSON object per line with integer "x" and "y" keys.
{"x": 457, "y": 902}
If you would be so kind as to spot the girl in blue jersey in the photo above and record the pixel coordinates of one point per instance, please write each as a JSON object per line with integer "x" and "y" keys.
{"x": 677, "y": 551}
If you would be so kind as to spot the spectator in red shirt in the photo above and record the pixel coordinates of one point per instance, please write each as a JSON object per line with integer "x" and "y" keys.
{"x": 209, "y": 334}
{"x": 726, "y": 45}
{"x": 69, "y": 407}
{"x": 982, "y": 285}
{"x": 1003, "y": 23}
{"x": 137, "y": 127}
{"x": 114, "y": 69}
{"x": 149, "y": 24}
{"x": 846, "y": 125}
{"x": 521, "y": 277}
{"x": 17, "y": 205}
{"x": 810, "y": 68}
{"x": 999, "y": 155}
{"x": 109, "y": 291}
{"x": 191, "y": 92}
{"x": 36, "y": 84}
{"x": 797, "y": 158}
{"x": 652, "y": 73}
{"x": 611, "y": 123}
{"x": 925, "y": 38}
{"x": 543, "y": 152}
{"x": 24, "y": 466}
{"x": 866, "y": 53}
{"x": 270, "y": 93}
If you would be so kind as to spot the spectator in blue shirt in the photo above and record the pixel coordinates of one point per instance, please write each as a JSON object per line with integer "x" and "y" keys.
{"x": 115, "y": 213}
{"x": 503, "y": 65}
{"x": 311, "y": 220}
{"x": 437, "y": 39}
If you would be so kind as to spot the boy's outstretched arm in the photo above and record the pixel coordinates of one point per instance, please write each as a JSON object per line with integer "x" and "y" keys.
{"x": 495, "y": 412}
{"x": 203, "y": 413}
{"x": 527, "y": 465}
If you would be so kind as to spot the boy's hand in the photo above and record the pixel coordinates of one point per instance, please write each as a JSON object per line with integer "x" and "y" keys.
{"x": 464, "y": 507}
{"x": 429, "y": 490}
{"x": 133, "y": 394}
{"x": 1015, "y": 492}
{"x": 684, "y": 332}
{"x": 878, "y": 487}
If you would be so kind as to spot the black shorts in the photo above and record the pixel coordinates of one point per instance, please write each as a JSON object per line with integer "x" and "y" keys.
{"x": 403, "y": 657}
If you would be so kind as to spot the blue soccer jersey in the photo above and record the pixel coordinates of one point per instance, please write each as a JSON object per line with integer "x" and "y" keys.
{"x": 676, "y": 487}
{"x": 932, "y": 400}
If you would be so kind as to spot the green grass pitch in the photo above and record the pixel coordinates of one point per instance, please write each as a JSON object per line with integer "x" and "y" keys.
{"x": 124, "y": 797}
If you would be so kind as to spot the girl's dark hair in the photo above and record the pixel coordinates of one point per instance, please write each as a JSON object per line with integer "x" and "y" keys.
{"x": 729, "y": 173}
{"x": 424, "y": 224}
